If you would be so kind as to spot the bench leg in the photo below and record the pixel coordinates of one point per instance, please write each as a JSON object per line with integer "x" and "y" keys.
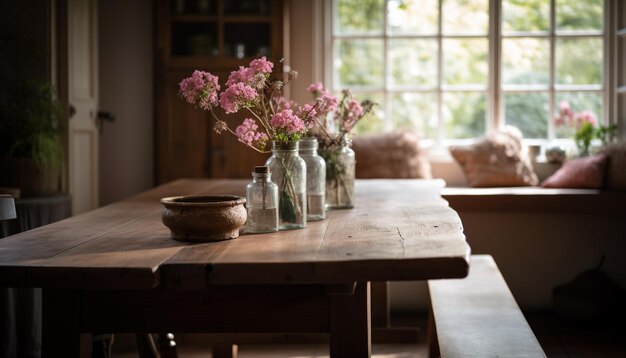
{"x": 350, "y": 324}
{"x": 433, "y": 342}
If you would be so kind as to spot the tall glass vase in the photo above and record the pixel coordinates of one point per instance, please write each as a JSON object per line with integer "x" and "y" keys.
{"x": 289, "y": 173}
{"x": 315, "y": 179}
{"x": 340, "y": 163}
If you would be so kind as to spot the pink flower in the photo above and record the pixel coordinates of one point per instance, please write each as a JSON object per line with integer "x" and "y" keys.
{"x": 330, "y": 102}
{"x": 316, "y": 87}
{"x": 306, "y": 111}
{"x": 247, "y": 133}
{"x": 287, "y": 122}
{"x": 261, "y": 65}
{"x": 586, "y": 117}
{"x": 253, "y": 76}
{"x": 354, "y": 108}
{"x": 237, "y": 96}
{"x": 200, "y": 89}
{"x": 559, "y": 121}
{"x": 353, "y": 113}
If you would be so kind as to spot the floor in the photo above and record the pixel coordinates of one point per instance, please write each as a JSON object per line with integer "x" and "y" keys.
{"x": 558, "y": 339}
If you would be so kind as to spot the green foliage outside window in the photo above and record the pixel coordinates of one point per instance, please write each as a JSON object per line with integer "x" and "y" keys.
{"x": 413, "y": 62}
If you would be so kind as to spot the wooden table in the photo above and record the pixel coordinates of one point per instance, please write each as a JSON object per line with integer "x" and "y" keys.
{"x": 116, "y": 269}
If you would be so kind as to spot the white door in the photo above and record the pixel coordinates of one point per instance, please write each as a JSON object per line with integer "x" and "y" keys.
{"x": 83, "y": 100}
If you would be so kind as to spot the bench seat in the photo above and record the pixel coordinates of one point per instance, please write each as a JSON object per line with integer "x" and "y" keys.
{"x": 535, "y": 199}
{"x": 478, "y": 317}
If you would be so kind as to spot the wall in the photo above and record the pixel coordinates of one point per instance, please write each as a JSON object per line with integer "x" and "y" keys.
{"x": 126, "y": 90}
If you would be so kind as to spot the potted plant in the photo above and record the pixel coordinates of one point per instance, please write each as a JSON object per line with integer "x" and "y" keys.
{"x": 30, "y": 137}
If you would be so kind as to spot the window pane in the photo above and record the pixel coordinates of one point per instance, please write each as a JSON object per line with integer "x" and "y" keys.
{"x": 359, "y": 16}
{"x": 374, "y": 122}
{"x": 465, "y": 114}
{"x": 579, "y": 101}
{"x": 413, "y": 62}
{"x": 465, "y": 61}
{"x": 413, "y": 16}
{"x": 416, "y": 111}
{"x": 358, "y": 63}
{"x": 528, "y": 112}
{"x": 525, "y": 15}
{"x": 525, "y": 61}
{"x": 579, "y": 61}
{"x": 572, "y": 15}
{"x": 465, "y": 16}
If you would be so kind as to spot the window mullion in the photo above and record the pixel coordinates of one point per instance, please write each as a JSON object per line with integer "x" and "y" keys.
{"x": 440, "y": 120}
{"x": 551, "y": 94}
{"x": 388, "y": 125}
{"x": 494, "y": 116}
{"x": 610, "y": 60}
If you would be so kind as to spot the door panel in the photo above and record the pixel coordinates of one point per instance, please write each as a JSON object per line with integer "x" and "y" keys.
{"x": 83, "y": 98}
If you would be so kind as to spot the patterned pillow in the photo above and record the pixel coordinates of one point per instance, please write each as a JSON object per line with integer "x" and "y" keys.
{"x": 390, "y": 155}
{"x": 496, "y": 161}
{"x": 583, "y": 173}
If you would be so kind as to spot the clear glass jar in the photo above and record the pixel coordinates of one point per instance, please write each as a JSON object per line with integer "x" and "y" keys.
{"x": 315, "y": 179}
{"x": 262, "y": 202}
{"x": 340, "y": 163}
{"x": 289, "y": 173}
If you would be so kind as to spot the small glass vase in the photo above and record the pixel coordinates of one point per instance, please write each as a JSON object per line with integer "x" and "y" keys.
{"x": 340, "y": 162}
{"x": 289, "y": 173}
{"x": 262, "y": 202}
{"x": 315, "y": 179}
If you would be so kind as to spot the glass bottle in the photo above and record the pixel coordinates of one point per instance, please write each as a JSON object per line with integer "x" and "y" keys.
{"x": 262, "y": 202}
{"x": 340, "y": 162}
{"x": 289, "y": 174}
{"x": 315, "y": 179}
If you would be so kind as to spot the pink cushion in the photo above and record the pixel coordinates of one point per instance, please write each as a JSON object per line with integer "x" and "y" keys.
{"x": 584, "y": 173}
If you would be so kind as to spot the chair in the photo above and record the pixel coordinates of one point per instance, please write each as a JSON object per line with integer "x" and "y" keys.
{"x": 7, "y": 208}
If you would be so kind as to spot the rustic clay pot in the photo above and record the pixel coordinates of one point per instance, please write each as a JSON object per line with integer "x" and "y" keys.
{"x": 204, "y": 218}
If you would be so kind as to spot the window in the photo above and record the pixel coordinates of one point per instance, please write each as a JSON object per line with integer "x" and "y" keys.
{"x": 452, "y": 69}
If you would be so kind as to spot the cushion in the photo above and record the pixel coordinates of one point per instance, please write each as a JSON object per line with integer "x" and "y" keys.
{"x": 390, "y": 155}
{"x": 583, "y": 173}
{"x": 497, "y": 160}
{"x": 615, "y": 178}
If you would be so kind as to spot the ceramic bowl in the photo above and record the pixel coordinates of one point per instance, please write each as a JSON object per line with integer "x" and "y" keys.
{"x": 204, "y": 218}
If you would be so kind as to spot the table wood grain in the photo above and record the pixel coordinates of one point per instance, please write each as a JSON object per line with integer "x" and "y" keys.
{"x": 398, "y": 230}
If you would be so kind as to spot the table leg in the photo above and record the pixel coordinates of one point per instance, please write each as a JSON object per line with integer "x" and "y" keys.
{"x": 380, "y": 304}
{"x": 350, "y": 324}
{"x": 61, "y": 325}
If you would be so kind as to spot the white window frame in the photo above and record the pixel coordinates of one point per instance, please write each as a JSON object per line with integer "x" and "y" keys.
{"x": 613, "y": 91}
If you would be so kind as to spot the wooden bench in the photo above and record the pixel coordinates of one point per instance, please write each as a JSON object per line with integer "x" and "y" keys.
{"x": 478, "y": 317}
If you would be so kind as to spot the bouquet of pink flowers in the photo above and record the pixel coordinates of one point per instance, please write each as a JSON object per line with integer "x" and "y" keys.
{"x": 334, "y": 120}
{"x": 584, "y": 126}
{"x": 251, "y": 89}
